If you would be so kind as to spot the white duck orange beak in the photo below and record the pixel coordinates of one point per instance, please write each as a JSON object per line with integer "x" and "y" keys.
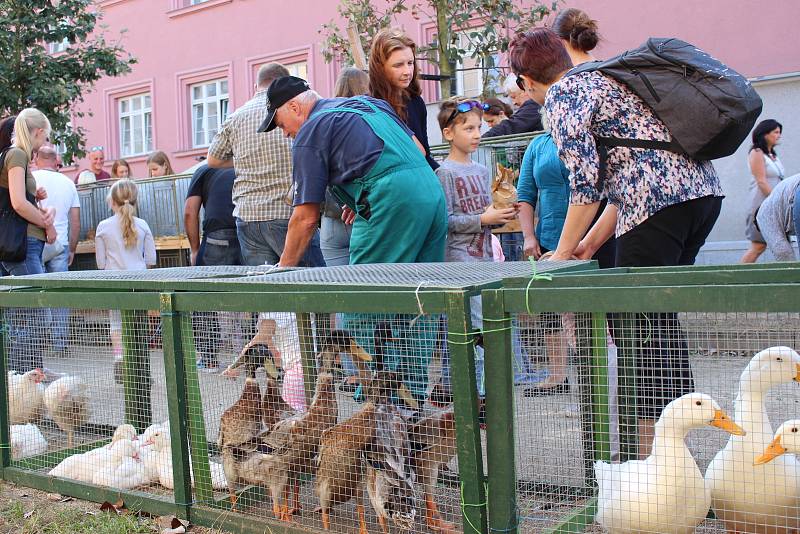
{"x": 797, "y": 374}
{"x": 772, "y": 451}
{"x": 721, "y": 420}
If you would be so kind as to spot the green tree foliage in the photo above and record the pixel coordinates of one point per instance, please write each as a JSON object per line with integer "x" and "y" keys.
{"x": 32, "y": 76}
{"x": 487, "y": 27}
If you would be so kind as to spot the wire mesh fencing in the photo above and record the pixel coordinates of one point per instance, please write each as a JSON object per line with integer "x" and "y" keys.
{"x": 652, "y": 420}
{"x": 84, "y": 385}
{"x": 324, "y": 419}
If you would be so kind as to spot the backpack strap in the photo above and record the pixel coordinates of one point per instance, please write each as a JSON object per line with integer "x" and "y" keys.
{"x": 604, "y": 143}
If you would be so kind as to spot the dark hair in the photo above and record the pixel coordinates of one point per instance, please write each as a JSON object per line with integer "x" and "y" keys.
{"x": 496, "y": 107}
{"x": 763, "y": 128}
{"x": 539, "y": 54}
{"x": 351, "y": 82}
{"x": 449, "y": 116}
{"x": 385, "y": 42}
{"x": 577, "y": 28}
{"x": 6, "y": 132}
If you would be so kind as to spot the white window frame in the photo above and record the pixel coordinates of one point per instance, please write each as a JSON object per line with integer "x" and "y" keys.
{"x": 57, "y": 48}
{"x": 219, "y": 102}
{"x": 473, "y": 62}
{"x": 141, "y": 117}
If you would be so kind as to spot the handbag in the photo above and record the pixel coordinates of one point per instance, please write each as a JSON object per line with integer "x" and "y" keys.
{"x": 13, "y": 228}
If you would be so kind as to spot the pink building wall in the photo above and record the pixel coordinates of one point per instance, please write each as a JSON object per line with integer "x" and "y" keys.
{"x": 177, "y": 46}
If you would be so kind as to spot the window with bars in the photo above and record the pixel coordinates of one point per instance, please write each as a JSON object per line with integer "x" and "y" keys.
{"x": 209, "y": 110}
{"x": 135, "y": 125}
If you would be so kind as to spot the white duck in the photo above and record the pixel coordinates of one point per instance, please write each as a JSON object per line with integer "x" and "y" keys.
{"x": 161, "y": 462}
{"x": 787, "y": 439}
{"x": 26, "y": 441}
{"x": 755, "y": 498}
{"x": 25, "y": 396}
{"x": 82, "y": 467}
{"x": 664, "y": 493}
{"x": 123, "y": 468}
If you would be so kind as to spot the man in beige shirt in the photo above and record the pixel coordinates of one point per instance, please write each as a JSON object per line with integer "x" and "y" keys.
{"x": 262, "y": 189}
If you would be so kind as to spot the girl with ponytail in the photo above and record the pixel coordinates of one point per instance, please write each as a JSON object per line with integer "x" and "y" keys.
{"x": 123, "y": 242}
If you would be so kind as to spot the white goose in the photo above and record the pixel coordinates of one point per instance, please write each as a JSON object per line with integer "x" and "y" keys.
{"x": 664, "y": 493}
{"x": 755, "y": 498}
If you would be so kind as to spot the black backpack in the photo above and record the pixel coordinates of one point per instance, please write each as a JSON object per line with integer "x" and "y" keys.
{"x": 708, "y": 107}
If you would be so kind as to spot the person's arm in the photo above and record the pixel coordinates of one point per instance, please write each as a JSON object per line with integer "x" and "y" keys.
{"x": 602, "y": 230}
{"x": 74, "y": 232}
{"x": 191, "y": 221}
{"x": 150, "y": 257}
{"x": 571, "y": 105}
{"x": 302, "y": 225}
{"x": 759, "y": 170}
{"x": 526, "y": 119}
{"x": 772, "y": 224}
{"x": 26, "y": 210}
{"x": 528, "y": 193}
{"x": 220, "y": 153}
{"x": 100, "y": 248}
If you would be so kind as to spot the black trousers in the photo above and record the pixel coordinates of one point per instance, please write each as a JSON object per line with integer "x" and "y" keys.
{"x": 672, "y": 236}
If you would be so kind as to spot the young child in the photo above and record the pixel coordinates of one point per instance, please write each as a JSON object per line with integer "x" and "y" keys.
{"x": 470, "y": 214}
{"x": 123, "y": 242}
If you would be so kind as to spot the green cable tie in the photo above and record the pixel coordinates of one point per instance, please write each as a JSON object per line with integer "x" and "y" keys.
{"x": 498, "y": 320}
{"x": 534, "y": 276}
{"x": 465, "y": 505}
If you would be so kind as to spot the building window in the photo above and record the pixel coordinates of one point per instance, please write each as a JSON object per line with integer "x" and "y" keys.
{"x": 299, "y": 69}
{"x": 135, "y": 125}
{"x": 209, "y": 110}
{"x": 56, "y": 48}
{"x": 472, "y": 73}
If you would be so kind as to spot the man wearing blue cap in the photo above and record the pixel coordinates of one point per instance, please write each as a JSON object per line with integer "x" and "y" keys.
{"x": 377, "y": 168}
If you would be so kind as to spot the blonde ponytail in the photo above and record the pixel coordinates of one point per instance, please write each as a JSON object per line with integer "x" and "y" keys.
{"x": 28, "y": 121}
{"x": 123, "y": 194}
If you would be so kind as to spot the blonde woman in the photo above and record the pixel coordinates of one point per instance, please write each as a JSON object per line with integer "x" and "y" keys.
{"x": 123, "y": 242}
{"x": 20, "y": 137}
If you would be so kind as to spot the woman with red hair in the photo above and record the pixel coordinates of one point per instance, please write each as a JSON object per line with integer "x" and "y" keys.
{"x": 393, "y": 77}
{"x": 661, "y": 204}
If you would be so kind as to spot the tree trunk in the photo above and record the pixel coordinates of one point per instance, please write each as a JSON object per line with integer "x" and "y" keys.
{"x": 443, "y": 36}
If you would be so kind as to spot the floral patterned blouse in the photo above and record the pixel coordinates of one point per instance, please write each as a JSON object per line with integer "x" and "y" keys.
{"x": 640, "y": 182}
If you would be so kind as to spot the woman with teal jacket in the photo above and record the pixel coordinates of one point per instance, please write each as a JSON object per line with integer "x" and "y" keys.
{"x": 543, "y": 182}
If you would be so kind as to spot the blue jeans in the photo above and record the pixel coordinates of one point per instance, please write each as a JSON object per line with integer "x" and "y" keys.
{"x": 219, "y": 247}
{"x": 334, "y": 241}
{"x": 262, "y": 243}
{"x": 59, "y": 317}
{"x": 27, "y": 325}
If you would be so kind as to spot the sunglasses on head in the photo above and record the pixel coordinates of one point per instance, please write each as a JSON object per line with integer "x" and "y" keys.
{"x": 466, "y": 107}
{"x": 96, "y": 148}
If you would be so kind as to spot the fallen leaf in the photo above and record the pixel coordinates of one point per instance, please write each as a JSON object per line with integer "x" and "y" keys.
{"x": 180, "y": 530}
{"x": 66, "y": 499}
{"x": 54, "y": 497}
{"x": 176, "y": 522}
{"x": 28, "y": 515}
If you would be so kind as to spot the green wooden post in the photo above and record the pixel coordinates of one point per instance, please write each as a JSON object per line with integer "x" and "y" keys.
{"x": 500, "y": 439}
{"x": 5, "y": 426}
{"x": 177, "y": 402}
{"x": 198, "y": 441}
{"x": 465, "y": 396}
{"x": 309, "y": 359}
{"x": 625, "y": 337}
{"x": 599, "y": 406}
{"x": 136, "y": 369}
